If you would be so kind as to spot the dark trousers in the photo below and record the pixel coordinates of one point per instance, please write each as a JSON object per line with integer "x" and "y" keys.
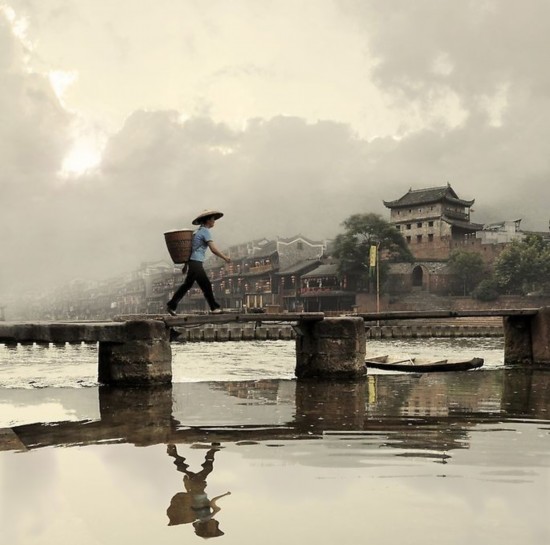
{"x": 195, "y": 273}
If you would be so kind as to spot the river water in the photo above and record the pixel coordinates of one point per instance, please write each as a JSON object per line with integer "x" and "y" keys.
{"x": 238, "y": 450}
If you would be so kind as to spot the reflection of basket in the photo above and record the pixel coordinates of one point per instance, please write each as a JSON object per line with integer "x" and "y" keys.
{"x": 179, "y": 244}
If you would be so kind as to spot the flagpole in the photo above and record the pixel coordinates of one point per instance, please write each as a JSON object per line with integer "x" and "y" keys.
{"x": 378, "y": 281}
{"x": 374, "y": 261}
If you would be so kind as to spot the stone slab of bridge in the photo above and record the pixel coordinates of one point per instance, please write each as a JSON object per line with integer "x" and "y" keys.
{"x": 526, "y": 330}
{"x": 136, "y": 349}
{"x": 130, "y": 352}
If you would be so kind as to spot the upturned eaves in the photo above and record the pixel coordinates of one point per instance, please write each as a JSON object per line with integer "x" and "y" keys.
{"x": 415, "y": 197}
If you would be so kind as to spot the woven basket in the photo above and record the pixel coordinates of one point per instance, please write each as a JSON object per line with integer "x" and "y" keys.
{"x": 179, "y": 244}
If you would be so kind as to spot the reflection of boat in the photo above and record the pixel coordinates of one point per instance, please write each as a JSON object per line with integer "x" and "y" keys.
{"x": 418, "y": 365}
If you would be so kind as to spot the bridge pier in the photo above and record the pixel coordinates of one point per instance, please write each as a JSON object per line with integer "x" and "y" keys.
{"x": 527, "y": 338}
{"x": 540, "y": 334}
{"x": 141, "y": 355}
{"x": 333, "y": 348}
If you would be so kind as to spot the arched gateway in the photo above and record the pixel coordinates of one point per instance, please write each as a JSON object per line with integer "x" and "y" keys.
{"x": 417, "y": 277}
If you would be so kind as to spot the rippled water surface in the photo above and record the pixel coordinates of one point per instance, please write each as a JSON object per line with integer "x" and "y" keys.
{"x": 76, "y": 365}
{"x": 238, "y": 451}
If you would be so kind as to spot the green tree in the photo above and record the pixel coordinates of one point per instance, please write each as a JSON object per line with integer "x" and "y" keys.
{"x": 486, "y": 290}
{"x": 468, "y": 268}
{"x": 352, "y": 247}
{"x": 524, "y": 267}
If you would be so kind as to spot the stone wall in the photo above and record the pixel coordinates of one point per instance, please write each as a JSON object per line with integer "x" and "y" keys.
{"x": 488, "y": 252}
{"x": 429, "y": 301}
{"x": 297, "y": 250}
{"x": 503, "y": 302}
{"x": 437, "y": 249}
{"x": 236, "y": 332}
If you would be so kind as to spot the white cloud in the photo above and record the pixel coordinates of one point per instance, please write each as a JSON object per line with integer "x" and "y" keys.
{"x": 19, "y": 25}
{"x": 496, "y": 105}
{"x": 61, "y": 80}
{"x": 85, "y": 155}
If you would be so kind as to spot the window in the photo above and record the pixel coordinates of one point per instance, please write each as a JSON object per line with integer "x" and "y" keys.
{"x": 418, "y": 239}
{"x": 408, "y": 225}
{"x": 419, "y": 224}
{"x": 408, "y": 239}
{"x": 430, "y": 237}
{"x": 430, "y": 224}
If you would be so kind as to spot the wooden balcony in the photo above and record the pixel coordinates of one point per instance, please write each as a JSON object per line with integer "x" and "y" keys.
{"x": 454, "y": 214}
{"x": 323, "y": 290}
{"x": 260, "y": 269}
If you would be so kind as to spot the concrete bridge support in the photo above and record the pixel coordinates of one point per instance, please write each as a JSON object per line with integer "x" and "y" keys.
{"x": 333, "y": 348}
{"x": 540, "y": 334}
{"x": 141, "y": 355}
{"x": 527, "y": 338}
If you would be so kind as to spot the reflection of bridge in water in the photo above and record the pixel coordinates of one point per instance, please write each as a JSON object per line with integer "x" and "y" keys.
{"x": 426, "y": 415}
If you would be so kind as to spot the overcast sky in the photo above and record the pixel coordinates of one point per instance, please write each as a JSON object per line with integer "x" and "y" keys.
{"x": 120, "y": 120}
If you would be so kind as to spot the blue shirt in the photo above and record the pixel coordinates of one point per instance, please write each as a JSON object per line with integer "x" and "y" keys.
{"x": 201, "y": 238}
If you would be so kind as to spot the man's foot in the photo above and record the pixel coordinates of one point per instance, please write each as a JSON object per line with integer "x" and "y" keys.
{"x": 171, "y": 311}
{"x": 216, "y": 311}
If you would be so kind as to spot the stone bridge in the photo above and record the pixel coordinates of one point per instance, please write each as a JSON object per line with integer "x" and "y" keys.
{"x": 136, "y": 349}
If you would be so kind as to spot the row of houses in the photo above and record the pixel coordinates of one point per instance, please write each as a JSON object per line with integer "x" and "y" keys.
{"x": 293, "y": 274}
{"x": 297, "y": 273}
{"x": 300, "y": 274}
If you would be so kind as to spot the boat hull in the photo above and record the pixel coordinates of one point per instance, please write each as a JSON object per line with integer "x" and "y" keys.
{"x": 413, "y": 366}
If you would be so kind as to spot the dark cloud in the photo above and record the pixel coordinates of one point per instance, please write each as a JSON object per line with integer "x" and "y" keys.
{"x": 284, "y": 175}
{"x": 469, "y": 46}
{"x": 275, "y": 177}
{"x": 489, "y": 56}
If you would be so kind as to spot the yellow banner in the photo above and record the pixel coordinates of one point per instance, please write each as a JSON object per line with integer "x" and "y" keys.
{"x": 372, "y": 256}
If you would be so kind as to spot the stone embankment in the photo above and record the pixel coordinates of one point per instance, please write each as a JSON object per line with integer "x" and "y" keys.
{"x": 235, "y": 332}
{"x": 456, "y": 327}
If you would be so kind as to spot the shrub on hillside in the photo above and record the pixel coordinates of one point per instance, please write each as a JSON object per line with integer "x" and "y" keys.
{"x": 486, "y": 290}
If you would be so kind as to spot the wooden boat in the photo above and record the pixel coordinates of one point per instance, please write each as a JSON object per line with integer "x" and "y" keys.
{"x": 417, "y": 365}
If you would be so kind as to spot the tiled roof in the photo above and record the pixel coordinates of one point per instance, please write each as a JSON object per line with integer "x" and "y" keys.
{"x": 299, "y": 267}
{"x": 327, "y": 269}
{"x": 265, "y": 251}
{"x": 463, "y": 224}
{"x": 429, "y": 195}
{"x": 290, "y": 240}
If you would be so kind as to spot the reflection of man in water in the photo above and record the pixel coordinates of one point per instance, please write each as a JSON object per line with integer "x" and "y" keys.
{"x": 194, "y": 505}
